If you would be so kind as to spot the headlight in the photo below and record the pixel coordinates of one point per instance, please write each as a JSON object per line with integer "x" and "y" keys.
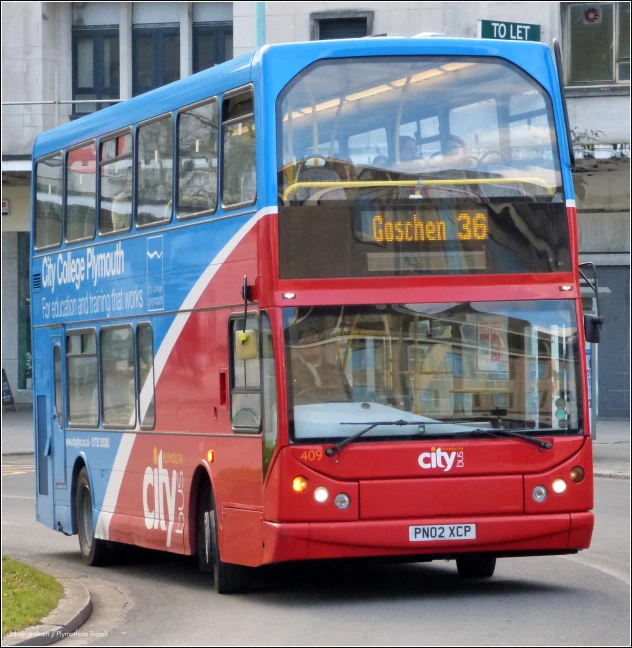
{"x": 321, "y": 494}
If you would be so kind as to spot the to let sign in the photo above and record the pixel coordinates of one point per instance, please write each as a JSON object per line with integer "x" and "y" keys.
{"x": 500, "y": 30}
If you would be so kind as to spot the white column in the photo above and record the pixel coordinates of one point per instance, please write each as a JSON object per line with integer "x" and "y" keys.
{"x": 125, "y": 49}
{"x": 186, "y": 39}
{"x": 64, "y": 36}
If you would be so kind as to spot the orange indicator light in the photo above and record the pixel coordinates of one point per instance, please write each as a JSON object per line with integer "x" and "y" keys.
{"x": 210, "y": 457}
{"x": 299, "y": 484}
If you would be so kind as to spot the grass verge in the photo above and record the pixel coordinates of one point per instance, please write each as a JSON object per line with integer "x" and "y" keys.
{"x": 28, "y": 595}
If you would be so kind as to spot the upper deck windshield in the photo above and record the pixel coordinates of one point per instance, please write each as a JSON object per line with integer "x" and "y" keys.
{"x": 451, "y": 368}
{"x": 441, "y": 165}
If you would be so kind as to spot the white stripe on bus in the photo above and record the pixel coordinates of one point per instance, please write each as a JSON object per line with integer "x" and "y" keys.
{"x": 124, "y": 451}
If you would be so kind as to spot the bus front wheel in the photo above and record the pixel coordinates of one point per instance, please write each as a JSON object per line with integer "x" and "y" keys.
{"x": 95, "y": 552}
{"x": 228, "y": 578}
{"x": 476, "y": 566}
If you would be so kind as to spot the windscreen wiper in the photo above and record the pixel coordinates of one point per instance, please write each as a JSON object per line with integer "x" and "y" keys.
{"x": 330, "y": 452}
{"x": 545, "y": 445}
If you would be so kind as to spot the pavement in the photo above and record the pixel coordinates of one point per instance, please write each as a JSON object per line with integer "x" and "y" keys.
{"x": 69, "y": 615}
{"x": 611, "y": 443}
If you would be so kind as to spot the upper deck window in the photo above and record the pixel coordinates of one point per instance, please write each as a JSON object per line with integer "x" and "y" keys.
{"x": 48, "y": 206}
{"x": 239, "y": 172}
{"x": 197, "y": 160}
{"x": 81, "y": 193}
{"x": 155, "y": 172}
{"x": 115, "y": 206}
{"x": 440, "y": 165}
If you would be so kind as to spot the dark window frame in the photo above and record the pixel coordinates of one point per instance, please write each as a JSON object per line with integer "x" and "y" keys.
{"x": 322, "y": 16}
{"x": 79, "y": 332}
{"x": 110, "y": 426}
{"x": 252, "y": 315}
{"x": 99, "y": 89}
{"x": 136, "y": 170}
{"x": 220, "y": 31}
{"x": 158, "y": 34}
{"x": 128, "y": 130}
{"x": 229, "y": 122}
{"x": 39, "y": 161}
{"x": 91, "y": 142}
{"x": 614, "y": 84}
{"x": 61, "y": 414}
{"x": 176, "y": 152}
{"x": 139, "y": 418}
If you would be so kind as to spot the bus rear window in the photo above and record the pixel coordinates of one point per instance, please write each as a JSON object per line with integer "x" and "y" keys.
{"x": 48, "y": 206}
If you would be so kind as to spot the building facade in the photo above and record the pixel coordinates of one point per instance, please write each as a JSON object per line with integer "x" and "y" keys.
{"x": 63, "y": 60}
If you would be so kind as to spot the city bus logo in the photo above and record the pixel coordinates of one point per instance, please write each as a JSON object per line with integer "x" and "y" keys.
{"x": 155, "y": 282}
{"x": 438, "y": 458}
{"x": 166, "y": 501}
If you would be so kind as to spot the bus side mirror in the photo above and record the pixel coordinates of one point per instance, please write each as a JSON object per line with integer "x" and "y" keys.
{"x": 246, "y": 347}
{"x": 592, "y": 328}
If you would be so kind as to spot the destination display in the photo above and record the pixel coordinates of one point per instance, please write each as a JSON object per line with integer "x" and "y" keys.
{"x": 398, "y": 239}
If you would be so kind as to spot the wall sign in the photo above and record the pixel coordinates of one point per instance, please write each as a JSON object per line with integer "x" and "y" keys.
{"x": 501, "y": 30}
{"x": 6, "y": 207}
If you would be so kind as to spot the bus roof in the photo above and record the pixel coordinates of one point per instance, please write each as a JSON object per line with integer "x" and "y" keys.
{"x": 285, "y": 60}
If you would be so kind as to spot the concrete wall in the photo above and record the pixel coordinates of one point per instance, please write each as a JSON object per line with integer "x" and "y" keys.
{"x": 602, "y": 190}
{"x": 20, "y": 201}
{"x": 35, "y": 43}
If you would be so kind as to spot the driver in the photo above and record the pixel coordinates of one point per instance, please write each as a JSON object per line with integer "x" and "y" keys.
{"x": 312, "y": 373}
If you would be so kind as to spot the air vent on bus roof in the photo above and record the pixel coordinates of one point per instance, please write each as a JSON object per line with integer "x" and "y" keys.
{"x": 37, "y": 281}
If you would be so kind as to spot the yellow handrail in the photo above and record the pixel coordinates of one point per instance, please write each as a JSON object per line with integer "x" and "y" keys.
{"x": 415, "y": 183}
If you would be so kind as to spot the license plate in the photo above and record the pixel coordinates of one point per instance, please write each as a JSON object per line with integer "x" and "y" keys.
{"x": 438, "y": 532}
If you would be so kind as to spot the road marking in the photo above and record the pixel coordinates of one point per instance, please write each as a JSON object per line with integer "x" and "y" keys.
{"x": 17, "y": 497}
{"x": 615, "y": 573}
{"x": 17, "y": 469}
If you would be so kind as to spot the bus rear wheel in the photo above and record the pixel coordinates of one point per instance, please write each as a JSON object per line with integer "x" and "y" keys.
{"x": 228, "y": 578}
{"x": 476, "y": 566}
{"x": 95, "y": 552}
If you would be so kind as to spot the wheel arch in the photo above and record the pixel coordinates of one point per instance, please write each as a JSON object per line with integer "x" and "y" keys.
{"x": 201, "y": 477}
{"x": 80, "y": 462}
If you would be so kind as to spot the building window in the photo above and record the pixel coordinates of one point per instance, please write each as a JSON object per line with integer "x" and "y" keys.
{"x": 95, "y": 68}
{"x": 212, "y": 45}
{"x": 328, "y": 25}
{"x": 598, "y": 43}
{"x": 25, "y": 363}
{"x": 156, "y": 59}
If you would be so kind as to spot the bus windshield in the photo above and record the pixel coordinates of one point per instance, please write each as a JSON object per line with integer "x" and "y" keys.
{"x": 437, "y": 165}
{"x": 451, "y": 367}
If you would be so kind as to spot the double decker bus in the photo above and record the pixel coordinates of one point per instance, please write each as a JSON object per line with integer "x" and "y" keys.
{"x": 321, "y": 301}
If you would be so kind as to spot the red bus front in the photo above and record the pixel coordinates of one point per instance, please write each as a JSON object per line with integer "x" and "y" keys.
{"x": 426, "y": 318}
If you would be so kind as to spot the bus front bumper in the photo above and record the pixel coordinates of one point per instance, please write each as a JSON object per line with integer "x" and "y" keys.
{"x": 501, "y": 535}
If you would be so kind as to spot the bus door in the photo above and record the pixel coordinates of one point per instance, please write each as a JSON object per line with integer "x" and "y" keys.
{"x": 44, "y": 410}
{"x": 57, "y": 416}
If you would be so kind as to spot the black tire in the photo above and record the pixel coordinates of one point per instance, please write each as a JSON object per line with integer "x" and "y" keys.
{"x": 94, "y": 552}
{"x": 476, "y": 566}
{"x": 228, "y": 578}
